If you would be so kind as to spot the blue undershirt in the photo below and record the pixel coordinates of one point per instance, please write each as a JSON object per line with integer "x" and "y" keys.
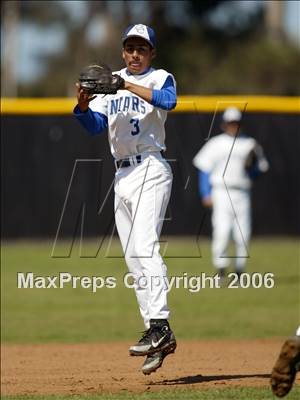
{"x": 165, "y": 97}
{"x": 204, "y": 184}
{"x": 94, "y": 122}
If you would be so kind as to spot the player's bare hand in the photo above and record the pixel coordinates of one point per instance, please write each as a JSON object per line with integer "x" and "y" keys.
{"x": 83, "y": 98}
{"x": 207, "y": 202}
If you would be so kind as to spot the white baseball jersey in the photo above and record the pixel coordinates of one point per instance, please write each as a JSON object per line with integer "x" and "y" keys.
{"x": 135, "y": 126}
{"x": 223, "y": 157}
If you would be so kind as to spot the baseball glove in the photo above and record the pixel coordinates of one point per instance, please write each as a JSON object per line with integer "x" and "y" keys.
{"x": 99, "y": 79}
{"x": 286, "y": 367}
{"x": 251, "y": 159}
{"x": 256, "y": 159}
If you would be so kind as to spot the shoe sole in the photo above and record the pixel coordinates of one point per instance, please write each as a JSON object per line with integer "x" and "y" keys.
{"x": 170, "y": 350}
{"x": 164, "y": 347}
{"x": 284, "y": 371}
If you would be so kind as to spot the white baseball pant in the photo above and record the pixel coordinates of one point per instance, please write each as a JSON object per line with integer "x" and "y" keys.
{"x": 142, "y": 193}
{"x": 231, "y": 218}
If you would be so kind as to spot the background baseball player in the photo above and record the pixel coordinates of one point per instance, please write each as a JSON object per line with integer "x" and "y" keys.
{"x": 135, "y": 117}
{"x": 227, "y": 164}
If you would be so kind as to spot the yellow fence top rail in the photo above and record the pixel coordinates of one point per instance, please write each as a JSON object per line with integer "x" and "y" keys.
{"x": 64, "y": 106}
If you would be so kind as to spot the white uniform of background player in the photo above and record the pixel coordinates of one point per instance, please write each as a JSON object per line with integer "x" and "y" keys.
{"x": 225, "y": 186}
{"x": 135, "y": 119}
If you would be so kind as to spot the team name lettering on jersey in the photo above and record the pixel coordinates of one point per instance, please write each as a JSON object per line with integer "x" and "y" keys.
{"x": 127, "y": 103}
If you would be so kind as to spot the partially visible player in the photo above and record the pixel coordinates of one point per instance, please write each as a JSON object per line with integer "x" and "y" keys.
{"x": 286, "y": 366}
{"x": 227, "y": 164}
{"x": 135, "y": 118}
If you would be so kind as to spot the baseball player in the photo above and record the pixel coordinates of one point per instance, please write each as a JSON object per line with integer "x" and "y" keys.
{"x": 135, "y": 118}
{"x": 286, "y": 366}
{"x": 227, "y": 164}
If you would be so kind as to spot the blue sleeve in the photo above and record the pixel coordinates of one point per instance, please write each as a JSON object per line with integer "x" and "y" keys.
{"x": 93, "y": 122}
{"x": 204, "y": 184}
{"x": 165, "y": 98}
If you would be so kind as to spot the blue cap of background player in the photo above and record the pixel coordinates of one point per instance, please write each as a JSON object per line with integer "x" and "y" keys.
{"x": 142, "y": 31}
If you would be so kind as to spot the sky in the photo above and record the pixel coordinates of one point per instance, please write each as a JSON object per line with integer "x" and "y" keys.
{"x": 35, "y": 42}
{"x": 292, "y": 19}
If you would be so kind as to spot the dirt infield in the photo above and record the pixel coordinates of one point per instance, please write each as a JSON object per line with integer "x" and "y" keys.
{"x": 106, "y": 367}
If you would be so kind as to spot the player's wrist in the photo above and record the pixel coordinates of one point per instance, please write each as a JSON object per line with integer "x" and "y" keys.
{"x": 127, "y": 85}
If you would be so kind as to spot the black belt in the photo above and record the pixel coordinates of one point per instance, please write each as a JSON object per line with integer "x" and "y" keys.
{"x": 125, "y": 162}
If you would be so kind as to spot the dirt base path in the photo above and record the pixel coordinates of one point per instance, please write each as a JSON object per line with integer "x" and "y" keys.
{"x": 106, "y": 367}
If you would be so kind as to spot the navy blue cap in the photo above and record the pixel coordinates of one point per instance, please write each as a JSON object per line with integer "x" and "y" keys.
{"x": 142, "y": 31}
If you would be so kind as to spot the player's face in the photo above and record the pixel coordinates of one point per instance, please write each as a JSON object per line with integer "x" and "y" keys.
{"x": 232, "y": 128}
{"x": 137, "y": 54}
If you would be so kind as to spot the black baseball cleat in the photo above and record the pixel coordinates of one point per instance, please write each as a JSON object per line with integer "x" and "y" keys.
{"x": 157, "y": 338}
{"x": 155, "y": 360}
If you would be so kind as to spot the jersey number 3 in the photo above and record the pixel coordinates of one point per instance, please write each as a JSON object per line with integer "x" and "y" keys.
{"x": 135, "y": 123}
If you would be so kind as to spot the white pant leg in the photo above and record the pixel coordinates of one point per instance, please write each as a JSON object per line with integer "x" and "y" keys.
{"x": 222, "y": 222}
{"x": 242, "y": 226}
{"x": 150, "y": 205}
{"x": 124, "y": 223}
{"x": 147, "y": 189}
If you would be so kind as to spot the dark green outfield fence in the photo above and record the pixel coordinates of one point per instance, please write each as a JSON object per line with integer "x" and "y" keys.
{"x": 39, "y": 154}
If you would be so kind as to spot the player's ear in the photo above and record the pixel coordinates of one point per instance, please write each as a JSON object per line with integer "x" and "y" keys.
{"x": 123, "y": 54}
{"x": 153, "y": 53}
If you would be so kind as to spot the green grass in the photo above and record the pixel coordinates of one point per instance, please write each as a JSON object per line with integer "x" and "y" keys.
{"x": 211, "y": 394}
{"x": 78, "y": 315}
